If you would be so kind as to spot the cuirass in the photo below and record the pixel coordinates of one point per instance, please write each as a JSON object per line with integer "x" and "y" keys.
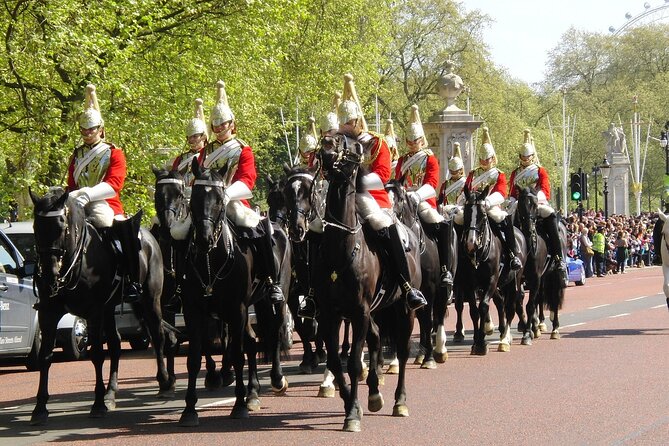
{"x": 95, "y": 168}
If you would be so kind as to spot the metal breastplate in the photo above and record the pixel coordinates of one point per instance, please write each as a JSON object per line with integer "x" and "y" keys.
{"x": 483, "y": 178}
{"x": 415, "y": 167}
{"x": 92, "y": 170}
{"x": 228, "y": 153}
{"x": 527, "y": 177}
{"x": 453, "y": 190}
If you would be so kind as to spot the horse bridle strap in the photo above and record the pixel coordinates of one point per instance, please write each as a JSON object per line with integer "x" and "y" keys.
{"x": 300, "y": 175}
{"x": 211, "y": 183}
{"x": 170, "y": 181}
{"x": 57, "y": 213}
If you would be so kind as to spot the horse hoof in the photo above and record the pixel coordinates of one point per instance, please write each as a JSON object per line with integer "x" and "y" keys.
{"x": 503, "y": 347}
{"x": 381, "y": 378}
{"x": 458, "y": 337}
{"x": 281, "y": 390}
{"x": 479, "y": 350}
{"x": 543, "y": 327}
{"x": 555, "y": 334}
{"x": 489, "y": 329}
{"x": 98, "y": 412}
{"x": 326, "y": 392}
{"x": 110, "y": 403}
{"x": 441, "y": 357}
{"x": 352, "y": 426}
{"x": 364, "y": 373}
{"x": 419, "y": 359}
{"x": 166, "y": 393}
{"x": 527, "y": 340}
{"x": 536, "y": 333}
{"x": 240, "y": 412}
{"x": 400, "y": 410}
{"x": 305, "y": 368}
{"x": 393, "y": 369}
{"x": 227, "y": 378}
{"x": 39, "y": 418}
{"x": 252, "y": 404}
{"x": 213, "y": 381}
{"x": 375, "y": 402}
{"x": 429, "y": 364}
{"x": 189, "y": 419}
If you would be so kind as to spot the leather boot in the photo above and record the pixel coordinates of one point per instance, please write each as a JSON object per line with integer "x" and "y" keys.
{"x": 657, "y": 242}
{"x": 266, "y": 253}
{"x": 555, "y": 247}
{"x": 506, "y": 227}
{"x": 392, "y": 243}
{"x": 127, "y": 234}
{"x": 444, "y": 234}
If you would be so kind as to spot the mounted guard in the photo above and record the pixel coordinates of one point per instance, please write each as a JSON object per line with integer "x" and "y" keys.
{"x": 391, "y": 140}
{"x": 95, "y": 177}
{"x": 530, "y": 173}
{"x": 420, "y": 169}
{"x": 451, "y": 199}
{"x": 373, "y": 204}
{"x": 487, "y": 174}
{"x": 228, "y": 151}
{"x": 197, "y": 134}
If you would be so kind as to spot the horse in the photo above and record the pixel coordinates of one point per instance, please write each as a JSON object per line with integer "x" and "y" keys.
{"x": 220, "y": 275}
{"x": 535, "y": 266}
{"x": 481, "y": 273}
{"x": 431, "y": 316}
{"x": 352, "y": 283}
{"x": 664, "y": 247}
{"x": 76, "y": 273}
{"x": 171, "y": 206}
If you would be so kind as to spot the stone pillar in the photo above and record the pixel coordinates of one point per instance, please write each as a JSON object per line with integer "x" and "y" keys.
{"x": 451, "y": 124}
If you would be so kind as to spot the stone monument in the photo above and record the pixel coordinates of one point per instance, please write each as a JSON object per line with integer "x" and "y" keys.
{"x": 618, "y": 183}
{"x": 451, "y": 125}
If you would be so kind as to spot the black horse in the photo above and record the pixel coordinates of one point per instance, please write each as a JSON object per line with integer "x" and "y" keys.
{"x": 76, "y": 273}
{"x": 535, "y": 266}
{"x": 171, "y": 206}
{"x": 220, "y": 277}
{"x": 353, "y": 284}
{"x": 431, "y": 316}
{"x": 481, "y": 275}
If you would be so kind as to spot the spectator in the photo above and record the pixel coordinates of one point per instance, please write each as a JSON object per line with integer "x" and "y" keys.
{"x": 621, "y": 244}
{"x": 586, "y": 252}
{"x": 598, "y": 246}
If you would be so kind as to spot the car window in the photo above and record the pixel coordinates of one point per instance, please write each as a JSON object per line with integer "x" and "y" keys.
{"x": 7, "y": 262}
{"x": 25, "y": 243}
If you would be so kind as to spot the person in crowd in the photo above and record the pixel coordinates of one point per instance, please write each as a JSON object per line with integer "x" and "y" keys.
{"x": 621, "y": 246}
{"x": 586, "y": 252}
{"x": 599, "y": 247}
{"x": 95, "y": 177}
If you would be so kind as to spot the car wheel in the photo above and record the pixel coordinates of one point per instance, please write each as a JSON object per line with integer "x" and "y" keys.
{"x": 75, "y": 344}
{"x": 582, "y": 281}
{"x": 32, "y": 363}
{"x": 139, "y": 342}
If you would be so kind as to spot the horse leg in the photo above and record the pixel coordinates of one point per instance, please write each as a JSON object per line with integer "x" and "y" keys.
{"x": 195, "y": 324}
{"x": 459, "y": 334}
{"x": 237, "y": 333}
{"x": 253, "y": 387}
{"x": 114, "y": 347}
{"x": 345, "y": 345}
{"x": 99, "y": 408}
{"x": 555, "y": 319}
{"x": 439, "y": 312}
{"x": 428, "y": 347}
{"x": 531, "y": 325}
{"x": 330, "y": 332}
{"x": 360, "y": 326}
{"x": 375, "y": 399}
{"x": 480, "y": 346}
{"x": 278, "y": 380}
{"x": 421, "y": 315}
{"x": 404, "y": 323}
{"x": 212, "y": 379}
{"x": 48, "y": 322}
{"x": 159, "y": 339}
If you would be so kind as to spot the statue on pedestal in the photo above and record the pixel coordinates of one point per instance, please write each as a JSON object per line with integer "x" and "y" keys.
{"x": 615, "y": 139}
{"x": 450, "y": 86}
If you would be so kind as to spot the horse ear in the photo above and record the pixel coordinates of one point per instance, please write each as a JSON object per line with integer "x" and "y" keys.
{"x": 286, "y": 168}
{"x": 156, "y": 171}
{"x": 33, "y": 196}
{"x": 62, "y": 199}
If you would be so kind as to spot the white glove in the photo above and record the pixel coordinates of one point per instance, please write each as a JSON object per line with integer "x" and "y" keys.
{"x": 226, "y": 199}
{"x": 82, "y": 196}
{"x": 413, "y": 196}
{"x": 486, "y": 204}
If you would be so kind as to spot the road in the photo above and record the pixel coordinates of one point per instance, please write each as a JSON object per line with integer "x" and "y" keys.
{"x": 603, "y": 383}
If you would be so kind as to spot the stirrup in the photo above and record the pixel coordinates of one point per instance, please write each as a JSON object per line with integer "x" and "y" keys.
{"x": 446, "y": 277}
{"x": 414, "y": 297}
{"x": 132, "y": 292}
{"x": 274, "y": 293}
{"x": 514, "y": 262}
{"x": 307, "y": 309}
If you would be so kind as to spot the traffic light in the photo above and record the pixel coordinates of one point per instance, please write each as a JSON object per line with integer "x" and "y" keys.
{"x": 584, "y": 186}
{"x": 576, "y": 189}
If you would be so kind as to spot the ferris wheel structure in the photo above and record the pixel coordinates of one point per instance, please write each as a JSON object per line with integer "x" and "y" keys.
{"x": 650, "y": 15}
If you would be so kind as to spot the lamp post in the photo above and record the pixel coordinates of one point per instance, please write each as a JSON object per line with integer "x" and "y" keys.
{"x": 605, "y": 169}
{"x": 595, "y": 172}
{"x": 664, "y": 143}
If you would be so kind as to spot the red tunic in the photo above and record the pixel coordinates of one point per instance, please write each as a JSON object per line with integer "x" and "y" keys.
{"x": 543, "y": 183}
{"x": 430, "y": 176}
{"x": 380, "y": 165}
{"x": 246, "y": 167}
{"x": 500, "y": 184}
{"x": 115, "y": 176}
{"x": 309, "y": 159}
{"x": 180, "y": 158}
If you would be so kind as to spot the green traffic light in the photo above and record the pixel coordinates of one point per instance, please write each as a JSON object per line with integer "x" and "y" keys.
{"x": 576, "y": 196}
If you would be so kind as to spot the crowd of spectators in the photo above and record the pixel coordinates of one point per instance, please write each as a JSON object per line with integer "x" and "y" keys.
{"x": 610, "y": 245}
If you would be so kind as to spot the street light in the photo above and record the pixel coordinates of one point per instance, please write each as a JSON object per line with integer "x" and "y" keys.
{"x": 595, "y": 171}
{"x": 605, "y": 169}
{"x": 664, "y": 143}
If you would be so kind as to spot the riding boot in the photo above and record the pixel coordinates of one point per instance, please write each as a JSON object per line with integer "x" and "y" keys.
{"x": 127, "y": 234}
{"x": 265, "y": 251}
{"x": 657, "y": 238}
{"x": 506, "y": 227}
{"x": 392, "y": 243}
{"x": 308, "y": 309}
{"x": 444, "y": 232}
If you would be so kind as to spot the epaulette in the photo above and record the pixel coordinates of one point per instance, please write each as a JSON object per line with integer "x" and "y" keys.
{"x": 429, "y": 152}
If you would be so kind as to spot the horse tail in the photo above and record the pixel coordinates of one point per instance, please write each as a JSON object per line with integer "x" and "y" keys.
{"x": 554, "y": 293}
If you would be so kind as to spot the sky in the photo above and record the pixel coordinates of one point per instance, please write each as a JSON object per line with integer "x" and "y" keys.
{"x": 524, "y": 31}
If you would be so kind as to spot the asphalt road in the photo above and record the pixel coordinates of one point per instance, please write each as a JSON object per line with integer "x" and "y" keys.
{"x": 604, "y": 382}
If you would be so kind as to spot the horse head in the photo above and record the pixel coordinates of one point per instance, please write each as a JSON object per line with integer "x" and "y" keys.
{"x": 475, "y": 220}
{"x": 340, "y": 157}
{"x": 170, "y": 199}
{"x": 275, "y": 201}
{"x": 59, "y": 226}
{"x": 405, "y": 209}
{"x": 207, "y": 207}
{"x": 297, "y": 196}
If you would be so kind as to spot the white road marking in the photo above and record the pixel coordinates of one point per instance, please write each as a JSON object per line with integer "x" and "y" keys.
{"x": 572, "y": 325}
{"x": 635, "y": 298}
{"x": 225, "y": 402}
{"x": 598, "y": 306}
{"x": 619, "y": 315}
{"x": 658, "y": 306}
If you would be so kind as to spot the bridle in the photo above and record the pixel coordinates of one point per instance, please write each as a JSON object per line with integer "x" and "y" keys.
{"x": 345, "y": 157}
{"x": 180, "y": 208}
{"x": 483, "y": 235}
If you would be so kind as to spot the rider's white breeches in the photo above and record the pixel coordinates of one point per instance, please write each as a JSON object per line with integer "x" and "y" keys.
{"x": 370, "y": 211}
{"x": 428, "y": 214}
{"x": 242, "y": 216}
{"x": 99, "y": 213}
{"x": 545, "y": 210}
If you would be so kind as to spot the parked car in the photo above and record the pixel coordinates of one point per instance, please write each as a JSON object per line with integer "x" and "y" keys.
{"x": 576, "y": 271}
{"x": 72, "y": 334}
